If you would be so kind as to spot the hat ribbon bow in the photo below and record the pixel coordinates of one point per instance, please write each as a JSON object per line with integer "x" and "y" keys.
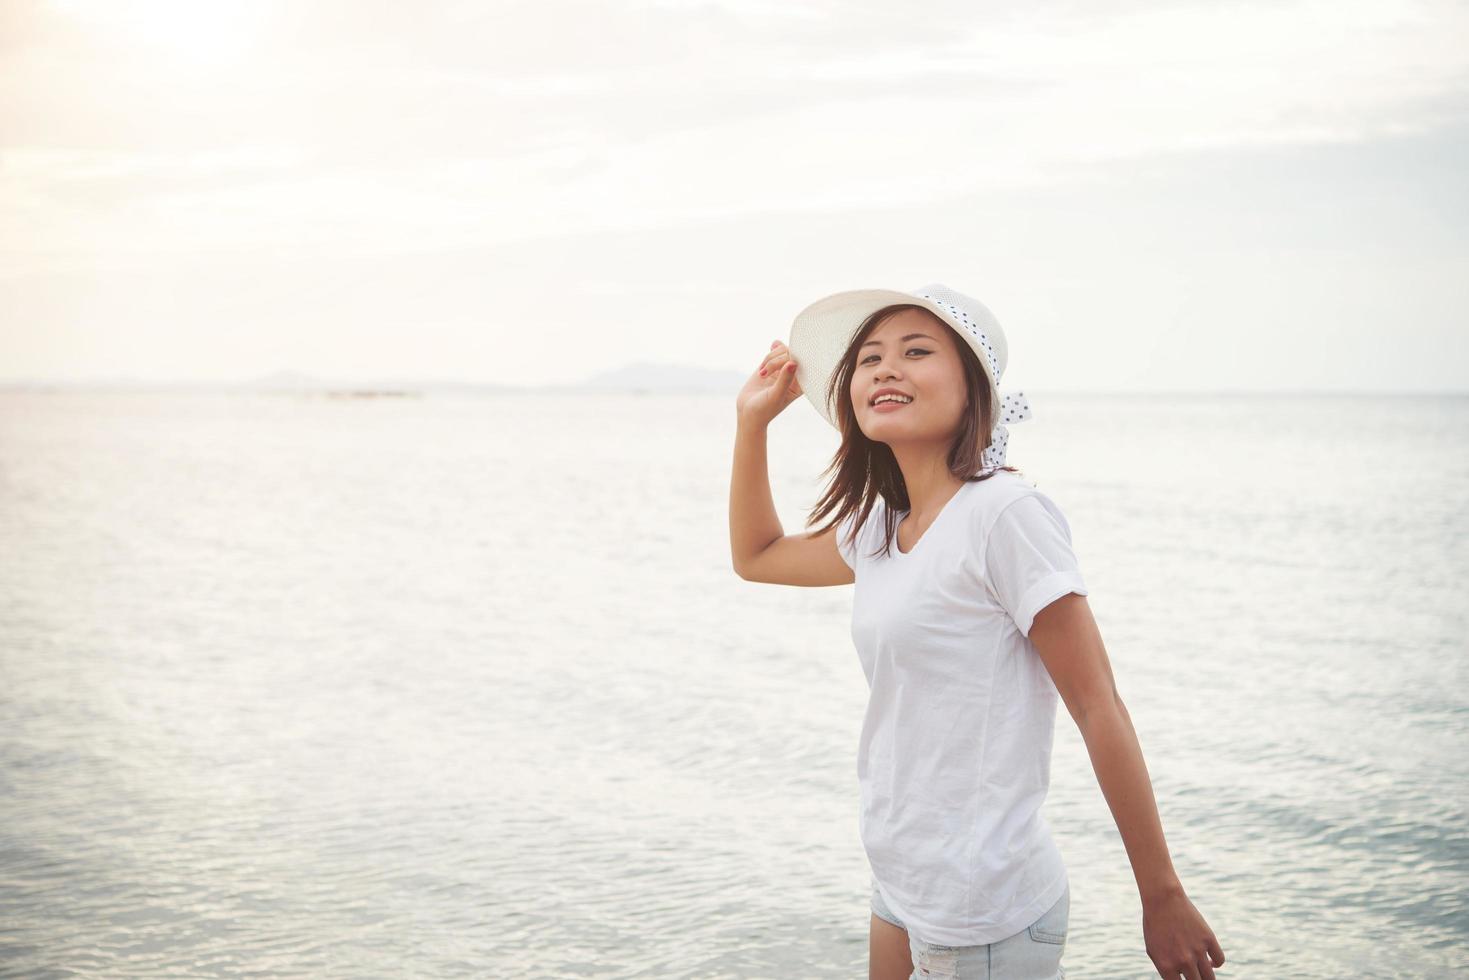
{"x": 1014, "y": 407}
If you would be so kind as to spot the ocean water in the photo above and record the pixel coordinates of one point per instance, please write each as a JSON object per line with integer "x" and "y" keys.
{"x": 464, "y": 686}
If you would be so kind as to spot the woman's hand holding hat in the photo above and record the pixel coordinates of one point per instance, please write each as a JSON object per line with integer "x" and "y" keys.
{"x": 770, "y": 389}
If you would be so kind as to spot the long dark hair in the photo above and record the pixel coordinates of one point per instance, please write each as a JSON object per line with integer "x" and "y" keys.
{"x": 865, "y": 470}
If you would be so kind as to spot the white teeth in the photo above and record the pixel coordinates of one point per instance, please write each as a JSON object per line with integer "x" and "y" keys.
{"x": 902, "y": 399}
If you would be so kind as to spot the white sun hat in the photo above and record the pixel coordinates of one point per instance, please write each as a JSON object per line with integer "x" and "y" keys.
{"x": 822, "y": 331}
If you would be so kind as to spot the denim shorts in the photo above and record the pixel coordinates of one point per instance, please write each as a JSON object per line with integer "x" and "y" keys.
{"x": 1033, "y": 953}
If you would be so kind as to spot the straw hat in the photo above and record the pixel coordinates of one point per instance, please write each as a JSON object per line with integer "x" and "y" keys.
{"x": 821, "y": 332}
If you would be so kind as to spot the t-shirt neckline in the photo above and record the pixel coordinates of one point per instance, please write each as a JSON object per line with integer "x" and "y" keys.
{"x": 948, "y": 505}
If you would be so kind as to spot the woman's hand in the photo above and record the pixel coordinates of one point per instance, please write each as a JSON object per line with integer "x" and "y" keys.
{"x": 1179, "y": 941}
{"x": 770, "y": 389}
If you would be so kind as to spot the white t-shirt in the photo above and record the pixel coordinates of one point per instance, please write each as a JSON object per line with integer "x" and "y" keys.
{"x": 955, "y": 753}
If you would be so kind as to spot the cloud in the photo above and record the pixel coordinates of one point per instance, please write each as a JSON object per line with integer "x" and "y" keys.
{"x": 333, "y": 132}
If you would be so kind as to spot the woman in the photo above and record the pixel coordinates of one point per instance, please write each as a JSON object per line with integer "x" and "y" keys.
{"x": 970, "y": 619}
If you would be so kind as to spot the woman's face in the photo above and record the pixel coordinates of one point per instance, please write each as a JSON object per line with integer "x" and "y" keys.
{"x": 916, "y": 355}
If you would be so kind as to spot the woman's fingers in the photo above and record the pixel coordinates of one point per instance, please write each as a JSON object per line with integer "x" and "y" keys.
{"x": 793, "y": 389}
{"x": 787, "y": 380}
{"x": 772, "y": 360}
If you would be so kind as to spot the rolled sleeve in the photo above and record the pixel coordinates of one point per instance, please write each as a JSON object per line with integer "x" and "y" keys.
{"x": 1029, "y": 560}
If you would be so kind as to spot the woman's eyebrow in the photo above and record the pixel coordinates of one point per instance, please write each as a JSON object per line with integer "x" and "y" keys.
{"x": 904, "y": 339}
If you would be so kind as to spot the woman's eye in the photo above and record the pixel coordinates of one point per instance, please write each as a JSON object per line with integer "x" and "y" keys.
{"x": 911, "y": 350}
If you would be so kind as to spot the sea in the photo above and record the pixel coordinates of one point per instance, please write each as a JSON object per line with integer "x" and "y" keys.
{"x": 331, "y": 684}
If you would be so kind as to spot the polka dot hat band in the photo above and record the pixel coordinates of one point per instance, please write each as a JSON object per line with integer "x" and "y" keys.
{"x": 821, "y": 332}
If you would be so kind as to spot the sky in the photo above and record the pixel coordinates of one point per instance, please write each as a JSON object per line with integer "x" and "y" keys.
{"x": 1149, "y": 196}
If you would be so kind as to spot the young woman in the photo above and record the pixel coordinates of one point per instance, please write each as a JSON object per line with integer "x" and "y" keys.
{"x": 971, "y": 622}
